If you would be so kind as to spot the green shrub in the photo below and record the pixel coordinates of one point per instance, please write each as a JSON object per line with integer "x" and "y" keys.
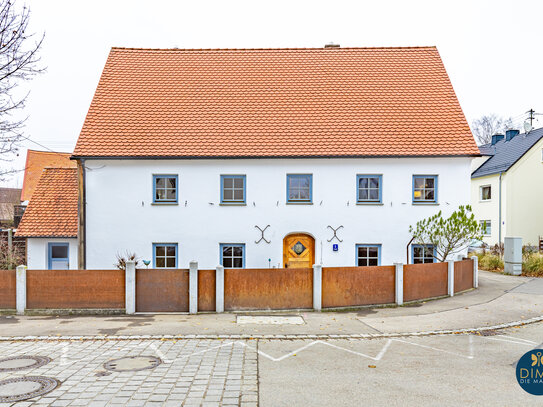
{"x": 490, "y": 262}
{"x": 533, "y": 264}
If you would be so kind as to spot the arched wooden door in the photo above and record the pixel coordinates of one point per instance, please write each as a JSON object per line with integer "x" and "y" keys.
{"x": 298, "y": 251}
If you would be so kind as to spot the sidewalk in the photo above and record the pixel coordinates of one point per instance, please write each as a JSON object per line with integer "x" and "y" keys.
{"x": 500, "y": 299}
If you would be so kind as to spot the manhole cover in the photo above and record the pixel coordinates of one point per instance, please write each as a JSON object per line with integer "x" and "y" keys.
{"x": 22, "y": 362}
{"x": 132, "y": 363}
{"x": 270, "y": 320}
{"x": 24, "y": 388}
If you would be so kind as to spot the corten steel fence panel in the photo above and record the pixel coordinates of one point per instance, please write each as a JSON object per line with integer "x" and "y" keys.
{"x": 463, "y": 275}
{"x": 206, "y": 290}
{"x": 164, "y": 290}
{"x": 421, "y": 281}
{"x": 75, "y": 289}
{"x": 353, "y": 286}
{"x": 7, "y": 289}
{"x": 254, "y": 289}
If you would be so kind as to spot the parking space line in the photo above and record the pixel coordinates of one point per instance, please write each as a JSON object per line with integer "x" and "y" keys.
{"x": 519, "y": 339}
{"x": 311, "y": 344}
{"x": 432, "y": 348}
{"x": 509, "y": 341}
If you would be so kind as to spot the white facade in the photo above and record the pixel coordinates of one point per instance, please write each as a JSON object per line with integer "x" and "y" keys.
{"x": 121, "y": 217}
{"x": 37, "y": 252}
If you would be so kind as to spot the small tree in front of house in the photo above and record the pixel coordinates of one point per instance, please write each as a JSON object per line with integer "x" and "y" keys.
{"x": 450, "y": 235}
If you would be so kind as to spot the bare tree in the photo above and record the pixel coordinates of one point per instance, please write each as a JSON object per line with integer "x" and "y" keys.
{"x": 486, "y": 126}
{"x": 19, "y": 62}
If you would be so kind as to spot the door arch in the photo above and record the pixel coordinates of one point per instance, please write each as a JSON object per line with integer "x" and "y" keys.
{"x": 298, "y": 250}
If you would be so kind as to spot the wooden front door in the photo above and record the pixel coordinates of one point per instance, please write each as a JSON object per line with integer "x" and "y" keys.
{"x": 298, "y": 251}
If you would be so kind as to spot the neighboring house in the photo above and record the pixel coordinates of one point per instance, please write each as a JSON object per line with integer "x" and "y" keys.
{"x": 187, "y": 154}
{"x": 36, "y": 161}
{"x": 9, "y": 202}
{"x": 507, "y": 187}
{"x": 50, "y": 221}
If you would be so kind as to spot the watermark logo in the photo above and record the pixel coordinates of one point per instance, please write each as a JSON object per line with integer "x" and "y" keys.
{"x": 530, "y": 372}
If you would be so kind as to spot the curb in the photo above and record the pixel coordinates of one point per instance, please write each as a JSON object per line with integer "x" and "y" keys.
{"x": 272, "y": 337}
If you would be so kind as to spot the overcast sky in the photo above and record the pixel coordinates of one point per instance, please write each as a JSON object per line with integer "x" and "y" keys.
{"x": 491, "y": 49}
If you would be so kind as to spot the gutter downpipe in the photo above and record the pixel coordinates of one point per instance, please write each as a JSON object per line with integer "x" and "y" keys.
{"x": 500, "y": 212}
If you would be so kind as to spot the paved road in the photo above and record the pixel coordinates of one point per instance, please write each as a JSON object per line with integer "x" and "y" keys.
{"x": 408, "y": 371}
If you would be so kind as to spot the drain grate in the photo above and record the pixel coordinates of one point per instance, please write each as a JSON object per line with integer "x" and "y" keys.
{"x": 22, "y": 362}
{"x": 132, "y": 363}
{"x": 489, "y": 332}
{"x": 24, "y": 388}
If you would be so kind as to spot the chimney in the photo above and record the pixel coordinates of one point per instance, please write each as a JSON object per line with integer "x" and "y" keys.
{"x": 509, "y": 134}
{"x": 332, "y": 45}
{"x": 496, "y": 138}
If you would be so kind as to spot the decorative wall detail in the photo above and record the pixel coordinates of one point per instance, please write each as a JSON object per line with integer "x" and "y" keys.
{"x": 335, "y": 233}
{"x": 262, "y": 237}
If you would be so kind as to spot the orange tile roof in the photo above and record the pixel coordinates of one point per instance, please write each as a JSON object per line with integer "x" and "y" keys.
{"x": 36, "y": 161}
{"x": 275, "y": 103}
{"x": 52, "y": 211}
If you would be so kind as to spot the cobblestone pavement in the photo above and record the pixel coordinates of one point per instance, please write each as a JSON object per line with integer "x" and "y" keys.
{"x": 193, "y": 372}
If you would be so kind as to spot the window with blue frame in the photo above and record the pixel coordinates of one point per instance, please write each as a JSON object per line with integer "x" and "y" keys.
{"x": 368, "y": 255}
{"x": 164, "y": 255}
{"x": 369, "y": 188}
{"x": 424, "y": 188}
{"x": 299, "y": 188}
{"x": 421, "y": 254}
{"x": 233, "y": 255}
{"x": 165, "y": 188}
{"x": 486, "y": 227}
{"x": 58, "y": 256}
{"x": 233, "y": 188}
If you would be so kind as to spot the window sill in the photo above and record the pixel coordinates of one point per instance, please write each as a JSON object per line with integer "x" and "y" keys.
{"x": 299, "y": 203}
{"x": 233, "y": 204}
{"x": 485, "y": 200}
{"x": 164, "y": 203}
{"x": 370, "y": 203}
{"x": 425, "y": 203}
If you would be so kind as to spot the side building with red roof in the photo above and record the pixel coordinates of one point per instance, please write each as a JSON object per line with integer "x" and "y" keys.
{"x": 50, "y": 222}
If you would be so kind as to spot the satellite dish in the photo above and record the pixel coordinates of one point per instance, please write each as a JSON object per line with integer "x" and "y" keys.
{"x": 527, "y": 126}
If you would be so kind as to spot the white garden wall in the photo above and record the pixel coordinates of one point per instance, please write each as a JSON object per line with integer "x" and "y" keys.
{"x": 120, "y": 215}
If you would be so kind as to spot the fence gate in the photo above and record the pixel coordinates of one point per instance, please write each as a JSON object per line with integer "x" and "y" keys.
{"x": 165, "y": 290}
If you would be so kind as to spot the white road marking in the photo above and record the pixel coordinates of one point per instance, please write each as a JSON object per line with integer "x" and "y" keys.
{"x": 509, "y": 341}
{"x": 160, "y": 354}
{"x": 432, "y": 348}
{"x": 311, "y": 344}
{"x": 269, "y": 320}
{"x": 64, "y": 357}
{"x": 518, "y": 339}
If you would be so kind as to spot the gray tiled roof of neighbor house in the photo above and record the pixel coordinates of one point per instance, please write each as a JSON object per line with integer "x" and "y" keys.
{"x": 506, "y": 153}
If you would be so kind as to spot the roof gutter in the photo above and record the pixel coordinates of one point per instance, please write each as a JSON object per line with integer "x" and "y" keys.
{"x": 150, "y": 157}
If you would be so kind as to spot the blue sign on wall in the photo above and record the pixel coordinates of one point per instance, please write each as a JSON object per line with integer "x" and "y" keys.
{"x": 335, "y": 247}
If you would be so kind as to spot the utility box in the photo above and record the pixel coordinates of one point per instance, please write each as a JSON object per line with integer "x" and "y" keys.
{"x": 512, "y": 255}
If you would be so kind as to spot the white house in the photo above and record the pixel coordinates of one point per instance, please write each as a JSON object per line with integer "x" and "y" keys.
{"x": 261, "y": 158}
{"x": 506, "y": 187}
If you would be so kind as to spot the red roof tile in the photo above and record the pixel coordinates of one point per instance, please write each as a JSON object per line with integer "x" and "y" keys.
{"x": 275, "y": 103}
{"x": 52, "y": 211}
{"x": 36, "y": 161}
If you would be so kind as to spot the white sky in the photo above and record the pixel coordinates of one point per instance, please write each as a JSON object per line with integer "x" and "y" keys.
{"x": 491, "y": 49}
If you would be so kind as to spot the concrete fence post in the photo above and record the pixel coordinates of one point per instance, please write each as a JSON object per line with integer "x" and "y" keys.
{"x": 450, "y": 277}
{"x": 317, "y": 287}
{"x": 20, "y": 289}
{"x": 130, "y": 287}
{"x": 219, "y": 289}
{"x": 193, "y": 287}
{"x": 399, "y": 283}
{"x": 475, "y": 271}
